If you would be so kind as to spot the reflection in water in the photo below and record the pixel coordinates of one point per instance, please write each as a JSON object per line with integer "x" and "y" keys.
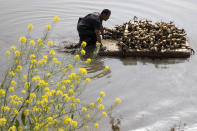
{"x": 158, "y": 63}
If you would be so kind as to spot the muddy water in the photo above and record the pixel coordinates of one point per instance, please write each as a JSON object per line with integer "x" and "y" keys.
{"x": 156, "y": 94}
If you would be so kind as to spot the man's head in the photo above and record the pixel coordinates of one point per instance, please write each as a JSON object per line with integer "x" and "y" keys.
{"x": 105, "y": 14}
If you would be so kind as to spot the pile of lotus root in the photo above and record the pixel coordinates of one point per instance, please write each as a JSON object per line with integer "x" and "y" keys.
{"x": 143, "y": 34}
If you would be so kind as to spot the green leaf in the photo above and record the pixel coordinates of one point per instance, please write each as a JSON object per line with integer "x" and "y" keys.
{"x": 23, "y": 118}
{"x": 17, "y": 124}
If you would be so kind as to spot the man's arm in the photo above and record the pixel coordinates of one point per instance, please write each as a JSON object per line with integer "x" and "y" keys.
{"x": 102, "y": 31}
{"x": 98, "y": 37}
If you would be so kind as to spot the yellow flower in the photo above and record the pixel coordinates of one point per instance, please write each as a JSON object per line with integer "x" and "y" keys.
{"x": 70, "y": 67}
{"x": 96, "y": 125}
{"x": 88, "y": 61}
{"x": 12, "y": 128}
{"x": 91, "y": 105}
{"x": 102, "y": 93}
{"x": 13, "y": 83}
{"x": 26, "y": 112}
{"x": 83, "y": 52}
{"x": 83, "y": 71}
{"x": 63, "y": 88}
{"x": 88, "y": 80}
{"x": 40, "y": 42}
{"x": 71, "y": 91}
{"x": 7, "y": 53}
{"x": 52, "y": 52}
{"x": 19, "y": 68}
{"x": 55, "y": 60}
{"x": 30, "y": 27}
{"x": 56, "y": 19}
{"x": 32, "y": 42}
{"x": 11, "y": 89}
{"x": 106, "y": 68}
{"x": 12, "y": 73}
{"x": 50, "y": 43}
{"x": 19, "y": 128}
{"x": 46, "y": 89}
{"x": 86, "y": 127}
{"x": 48, "y": 74}
{"x": 13, "y": 47}
{"x": 45, "y": 57}
{"x": 16, "y": 62}
{"x": 98, "y": 44}
{"x": 27, "y": 84}
{"x": 23, "y": 91}
{"x": 17, "y": 53}
{"x": 32, "y": 56}
{"x": 32, "y": 95}
{"x": 118, "y": 100}
{"x": 77, "y": 57}
{"x": 99, "y": 99}
{"x": 48, "y": 27}
{"x": 2, "y": 92}
{"x": 2, "y": 122}
{"x": 104, "y": 114}
{"x": 22, "y": 40}
{"x": 101, "y": 107}
{"x": 63, "y": 70}
{"x": 25, "y": 76}
{"x": 87, "y": 115}
{"x": 15, "y": 111}
{"x": 83, "y": 44}
{"x": 84, "y": 109}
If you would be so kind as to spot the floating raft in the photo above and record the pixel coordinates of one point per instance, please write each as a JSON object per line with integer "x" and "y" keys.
{"x": 113, "y": 49}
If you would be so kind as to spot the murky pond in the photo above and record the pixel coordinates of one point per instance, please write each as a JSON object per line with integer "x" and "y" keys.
{"x": 156, "y": 93}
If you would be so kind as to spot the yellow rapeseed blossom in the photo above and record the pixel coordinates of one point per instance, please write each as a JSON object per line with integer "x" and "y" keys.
{"x": 24, "y": 76}
{"x": 101, "y": 107}
{"x": 84, "y": 109}
{"x": 83, "y": 44}
{"x": 13, "y": 83}
{"x": 104, "y": 114}
{"x": 26, "y": 112}
{"x": 27, "y": 85}
{"x": 87, "y": 115}
{"x": 11, "y": 89}
{"x": 118, "y": 100}
{"x": 15, "y": 111}
{"x": 30, "y": 27}
{"x": 106, "y": 68}
{"x": 96, "y": 125}
{"x": 86, "y": 127}
{"x": 19, "y": 68}
{"x": 23, "y": 91}
{"x": 32, "y": 42}
{"x": 56, "y": 19}
{"x": 98, "y": 44}
{"x": 99, "y": 99}
{"x": 45, "y": 57}
{"x": 77, "y": 57}
{"x": 22, "y": 40}
{"x": 48, "y": 27}
{"x": 83, "y": 71}
{"x": 16, "y": 62}
{"x": 83, "y": 52}
{"x": 88, "y": 80}
{"x": 7, "y": 53}
{"x": 11, "y": 73}
{"x": 12, "y": 128}
{"x": 50, "y": 43}
{"x": 2, "y": 92}
{"x": 52, "y": 52}
{"x": 40, "y": 42}
{"x": 13, "y": 48}
{"x": 88, "y": 61}
{"x": 17, "y": 53}
{"x": 48, "y": 74}
{"x": 46, "y": 89}
{"x": 102, "y": 93}
{"x": 71, "y": 91}
{"x": 5, "y": 108}
{"x": 70, "y": 67}
{"x": 91, "y": 105}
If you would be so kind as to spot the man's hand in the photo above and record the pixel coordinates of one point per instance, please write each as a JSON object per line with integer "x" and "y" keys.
{"x": 98, "y": 37}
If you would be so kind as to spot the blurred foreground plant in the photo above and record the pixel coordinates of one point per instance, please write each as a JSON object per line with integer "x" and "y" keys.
{"x": 40, "y": 92}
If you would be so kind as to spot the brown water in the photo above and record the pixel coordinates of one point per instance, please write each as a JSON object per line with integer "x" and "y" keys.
{"x": 156, "y": 94}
